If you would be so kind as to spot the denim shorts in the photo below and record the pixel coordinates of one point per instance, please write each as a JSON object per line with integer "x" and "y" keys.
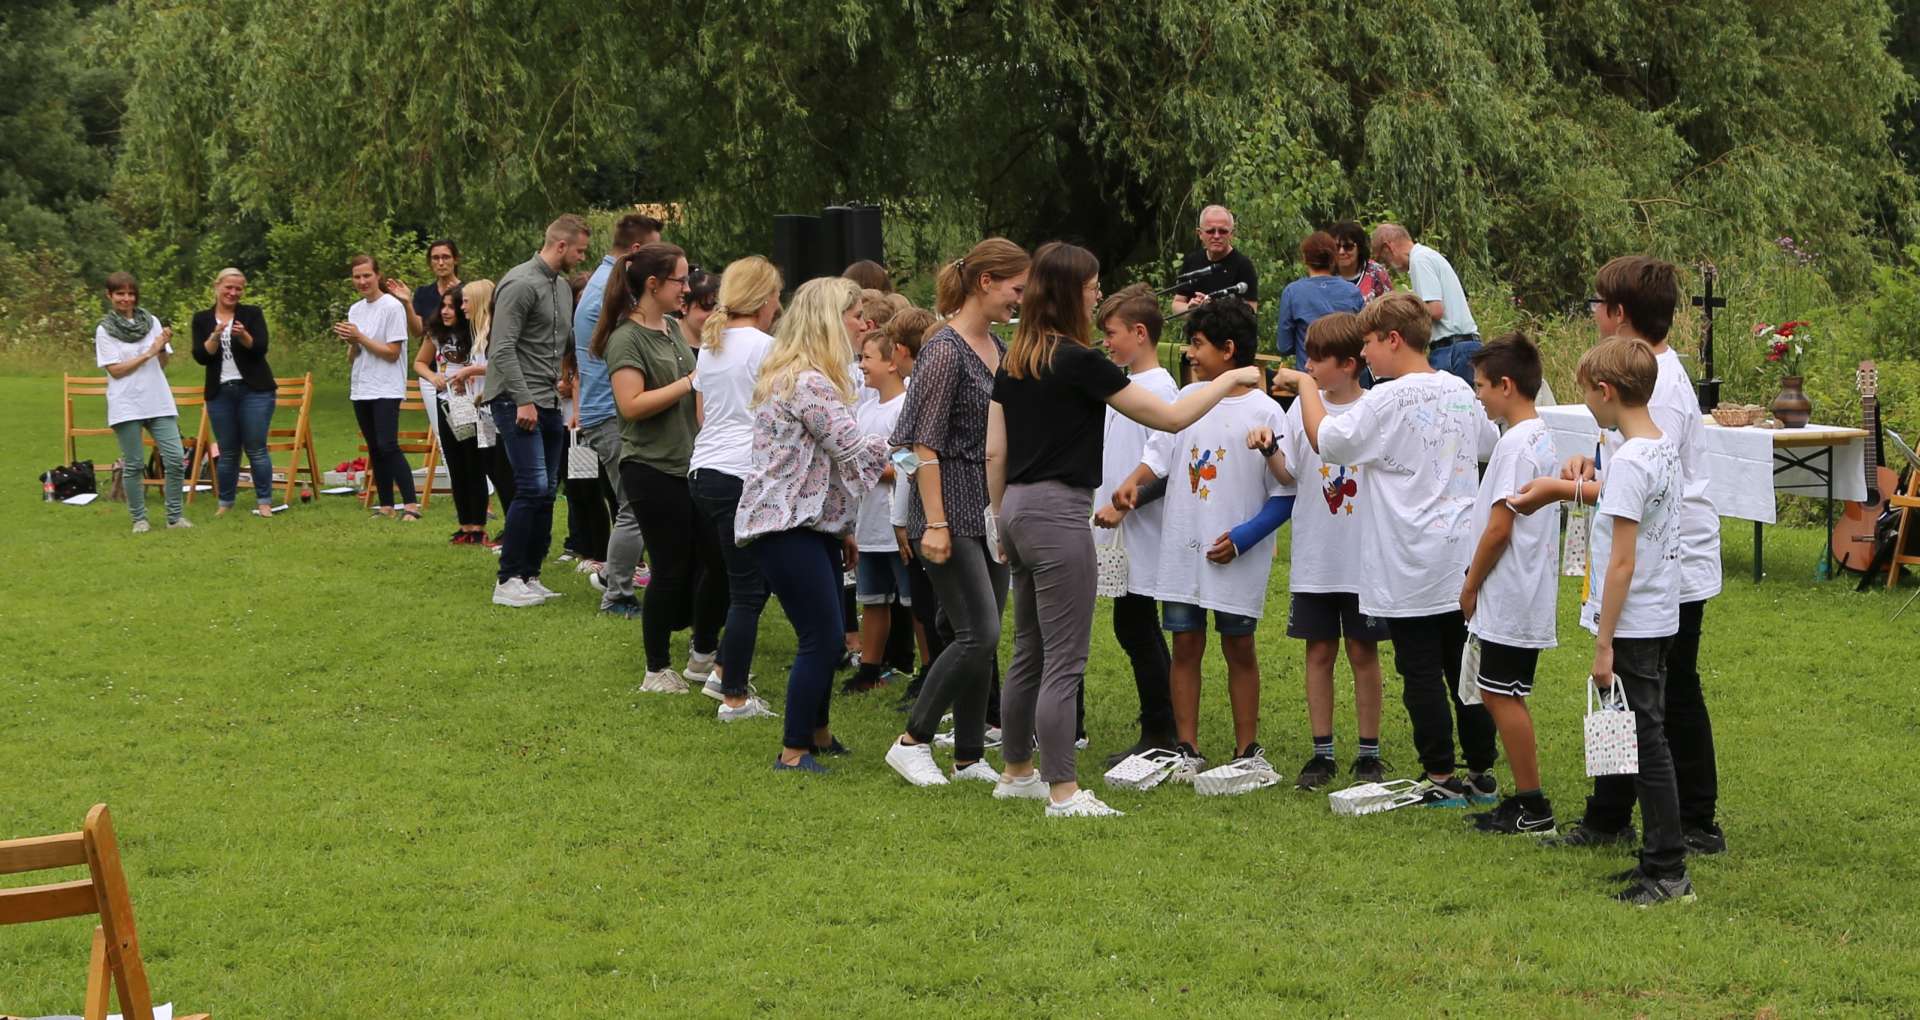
{"x": 880, "y": 579}
{"x": 1184, "y": 617}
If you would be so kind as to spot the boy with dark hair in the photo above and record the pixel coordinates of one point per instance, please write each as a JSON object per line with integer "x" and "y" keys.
{"x": 1419, "y": 436}
{"x": 1513, "y": 580}
{"x": 1325, "y": 577}
{"x": 1636, "y": 297}
{"x": 1215, "y": 549}
{"x": 1634, "y": 606}
{"x": 1131, "y": 322}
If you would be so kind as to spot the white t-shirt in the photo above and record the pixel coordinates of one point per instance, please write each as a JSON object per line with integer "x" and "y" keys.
{"x": 1676, "y": 411}
{"x": 1419, "y": 437}
{"x": 142, "y": 393}
{"x": 1123, "y": 446}
{"x": 873, "y": 529}
{"x": 1333, "y": 500}
{"x": 1216, "y": 485}
{"x": 902, "y": 488}
{"x": 1516, "y": 606}
{"x": 229, "y": 372}
{"x": 373, "y": 377}
{"x": 1432, "y": 279}
{"x": 725, "y": 384}
{"x": 1643, "y": 484}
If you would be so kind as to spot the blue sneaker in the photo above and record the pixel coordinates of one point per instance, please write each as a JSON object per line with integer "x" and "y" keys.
{"x": 807, "y": 763}
{"x": 1483, "y": 788}
{"x": 1449, "y": 792}
{"x": 626, "y": 609}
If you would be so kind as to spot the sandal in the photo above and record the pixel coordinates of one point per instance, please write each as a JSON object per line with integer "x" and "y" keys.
{"x": 409, "y": 515}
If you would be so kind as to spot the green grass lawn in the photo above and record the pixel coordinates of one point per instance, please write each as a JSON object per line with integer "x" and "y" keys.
{"x": 346, "y": 785}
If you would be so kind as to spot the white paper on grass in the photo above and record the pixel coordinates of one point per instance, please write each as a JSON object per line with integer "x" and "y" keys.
{"x": 160, "y": 1012}
{"x": 81, "y": 500}
{"x": 279, "y": 508}
{"x": 338, "y": 490}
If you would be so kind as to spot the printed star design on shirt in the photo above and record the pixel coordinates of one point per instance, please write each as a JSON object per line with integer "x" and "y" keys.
{"x": 1203, "y": 466}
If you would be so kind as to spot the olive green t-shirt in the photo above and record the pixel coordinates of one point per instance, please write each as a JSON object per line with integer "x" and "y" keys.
{"x": 663, "y": 442}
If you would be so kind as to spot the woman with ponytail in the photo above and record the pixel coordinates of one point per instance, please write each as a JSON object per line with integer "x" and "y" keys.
{"x": 733, "y": 345}
{"x": 476, "y": 300}
{"x": 651, "y": 367}
{"x": 811, "y": 466}
{"x": 945, "y": 424}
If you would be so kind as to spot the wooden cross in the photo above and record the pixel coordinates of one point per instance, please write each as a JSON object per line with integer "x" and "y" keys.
{"x": 1709, "y": 386}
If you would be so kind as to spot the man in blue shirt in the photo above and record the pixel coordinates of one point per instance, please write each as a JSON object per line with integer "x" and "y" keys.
{"x": 600, "y": 422}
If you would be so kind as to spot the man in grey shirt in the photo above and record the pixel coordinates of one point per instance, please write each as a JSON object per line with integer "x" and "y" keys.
{"x": 1455, "y": 335}
{"x": 532, "y": 329}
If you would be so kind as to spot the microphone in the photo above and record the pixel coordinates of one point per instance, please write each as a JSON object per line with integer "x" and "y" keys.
{"x": 1193, "y": 274}
{"x": 1236, "y": 289}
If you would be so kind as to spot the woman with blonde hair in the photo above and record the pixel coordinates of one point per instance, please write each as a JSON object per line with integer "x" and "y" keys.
{"x": 945, "y": 424}
{"x": 476, "y": 303}
{"x": 230, "y": 339}
{"x": 733, "y": 344}
{"x": 811, "y": 466}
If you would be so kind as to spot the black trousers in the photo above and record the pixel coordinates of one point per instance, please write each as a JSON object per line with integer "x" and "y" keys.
{"x": 1689, "y": 731}
{"x": 467, "y": 467}
{"x": 1426, "y": 654}
{"x": 1641, "y": 664}
{"x": 689, "y": 584}
{"x": 1136, "y": 625}
{"x": 380, "y": 426}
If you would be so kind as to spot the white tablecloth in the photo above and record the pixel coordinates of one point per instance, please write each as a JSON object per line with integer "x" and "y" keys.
{"x": 1740, "y": 462}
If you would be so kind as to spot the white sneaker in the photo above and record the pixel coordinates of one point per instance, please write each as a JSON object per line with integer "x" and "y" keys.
{"x": 753, "y": 709}
{"x": 1081, "y": 805}
{"x": 663, "y": 681}
{"x": 712, "y": 687}
{"x": 915, "y": 764}
{"x": 513, "y": 592}
{"x": 1080, "y": 745}
{"x": 181, "y": 523}
{"x": 979, "y": 771}
{"x": 946, "y": 739}
{"x": 1186, "y": 767}
{"x": 598, "y": 580}
{"x": 586, "y": 566}
{"x": 141, "y": 527}
{"x": 1027, "y": 787}
{"x": 699, "y": 667}
{"x": 545, "y": 593}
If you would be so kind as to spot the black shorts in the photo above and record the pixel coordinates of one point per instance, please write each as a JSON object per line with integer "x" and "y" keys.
{"x": 1506, "y": 670}
{"x": 1329, "y": 616}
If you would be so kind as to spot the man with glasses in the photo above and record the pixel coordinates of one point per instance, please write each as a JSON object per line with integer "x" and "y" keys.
{"x": 1216, "y": 265}
{"x": 1455, "y": 335}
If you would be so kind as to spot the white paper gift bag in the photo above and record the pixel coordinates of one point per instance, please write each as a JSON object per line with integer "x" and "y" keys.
{"x": 1577, "y": 540}
{"x": 1612, "y": 747}
{"x": 485, "y": 435}
{"x": 462, "y": 417}
{"x": 1469, "y": 688}
{"x": 582, "y": 462}
{"x": 1110, "y": 562}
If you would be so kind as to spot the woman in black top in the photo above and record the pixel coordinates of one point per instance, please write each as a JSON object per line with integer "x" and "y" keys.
{"x": 1045, "y": 429}
{"x": 230, "y": 339}
{"x": 445, "y": 360}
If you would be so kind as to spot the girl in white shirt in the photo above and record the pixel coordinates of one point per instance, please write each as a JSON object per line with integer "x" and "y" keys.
{"x": 133, "y": 347}
{"x": 376, "y": 337}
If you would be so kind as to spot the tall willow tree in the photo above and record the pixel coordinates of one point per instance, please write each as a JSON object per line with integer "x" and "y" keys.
{"x": 1532, "y": 137}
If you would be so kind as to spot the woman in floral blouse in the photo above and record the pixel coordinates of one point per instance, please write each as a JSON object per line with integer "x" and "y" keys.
{"x": 1353, "y": 262}
{"x": 811, "y": 466}
{"x": 945, "y": 424}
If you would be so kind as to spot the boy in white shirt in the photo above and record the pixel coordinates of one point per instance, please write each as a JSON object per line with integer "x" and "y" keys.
{"x": 1131, "y": 321}
{"x": 1419, "y": 436}
{"x": 1508, "y": 598}
{"x": 906, "y": 331}
{"x": 1634, "y": 606}
{"x": 1325, "y": 578}
{"x": 880, "y": 575}
{"x": 1636, "y": 297}
{"x": 1223, "y": 489}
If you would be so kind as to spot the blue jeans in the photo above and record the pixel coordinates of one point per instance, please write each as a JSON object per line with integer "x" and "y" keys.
{"x": 241, "y": 418}
{"x": 717, "y": 495}
{"x": 803, "y": 569}
{"x": 1455, "y": 357}
{"x": 537, "y": 454}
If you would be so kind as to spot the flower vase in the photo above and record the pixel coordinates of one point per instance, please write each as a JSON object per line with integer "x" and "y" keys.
{"x": 1791, "y": 408}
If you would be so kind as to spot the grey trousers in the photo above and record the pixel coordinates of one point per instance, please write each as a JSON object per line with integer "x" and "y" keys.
{"x": 173, "y": 460}
{"x": 1049, "y": 545}
{"x": 973, "y": 594}
{"x": 623, "y": 542}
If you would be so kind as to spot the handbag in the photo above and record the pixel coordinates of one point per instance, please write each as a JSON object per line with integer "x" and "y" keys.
{"x": 1469, "y": 687}
{"x": 1612, "y": 747}
{"x": 463, "y": 418}
{"x": 1110, "y": 562}
{"x": 582, "y": 462}
{"x": 485, "y": 434}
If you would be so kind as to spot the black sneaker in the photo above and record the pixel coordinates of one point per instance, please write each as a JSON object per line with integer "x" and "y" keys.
{"x": 1316, "y": 773}
{"x": 1512, "y": 817}
{"x": 1648, "y": 892}
{"x": 1705, "y": 842}
{"x": 1627, "y": 877}
{"x": 836, "y": 748}
{"x": 1368, "y": 768}
{"x": 1482, "y": 787}
{"x": 1448, "y": 792}
{"x": 1582, "y": 836}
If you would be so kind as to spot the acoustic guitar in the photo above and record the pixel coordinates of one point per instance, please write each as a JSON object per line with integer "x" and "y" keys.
{"x": 1853, "y": 534}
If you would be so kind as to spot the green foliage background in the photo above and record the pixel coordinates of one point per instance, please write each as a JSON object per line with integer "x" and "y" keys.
{"x": 1529, "y": 139}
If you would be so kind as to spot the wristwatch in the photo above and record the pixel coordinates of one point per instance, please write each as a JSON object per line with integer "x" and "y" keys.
{"x": 1271, "y": 448}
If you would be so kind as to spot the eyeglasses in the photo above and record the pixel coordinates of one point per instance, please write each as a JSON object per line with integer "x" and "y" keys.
{"x": 1594, "y": 302}
{"x": 1346, "y": 246}
{"x": 681, "y": 280}
{"x": 1216, "y": 231}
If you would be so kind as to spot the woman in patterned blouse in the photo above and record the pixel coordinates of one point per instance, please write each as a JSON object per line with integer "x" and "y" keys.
{"x": 811, "y": 466}
{"x": 1353, "y": 263}
{"x": 945, "y": 424}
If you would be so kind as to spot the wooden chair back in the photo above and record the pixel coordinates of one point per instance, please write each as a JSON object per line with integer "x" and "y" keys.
{"x": 296, "y": 441}
{"x": 115, "y": 962}
{"x": 422, "y": 440}
{"x": 1908, "y": 503}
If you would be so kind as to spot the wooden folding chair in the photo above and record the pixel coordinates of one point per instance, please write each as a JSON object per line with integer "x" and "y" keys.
{"x": 425, "y": 441}
{"x": 96, "y": 386}
{"x": 79, "y": 386}
{"x": 296, "y": 442}
{"x": 1908, "y": 503}
{"x": 115, "y": 964}
{"x": 197, "y": 459}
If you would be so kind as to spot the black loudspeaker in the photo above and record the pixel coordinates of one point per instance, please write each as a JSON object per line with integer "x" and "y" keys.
{"x": 796, "y": 248}
{"x": 864, "y": 240}
{"x": 831, "y": 257}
